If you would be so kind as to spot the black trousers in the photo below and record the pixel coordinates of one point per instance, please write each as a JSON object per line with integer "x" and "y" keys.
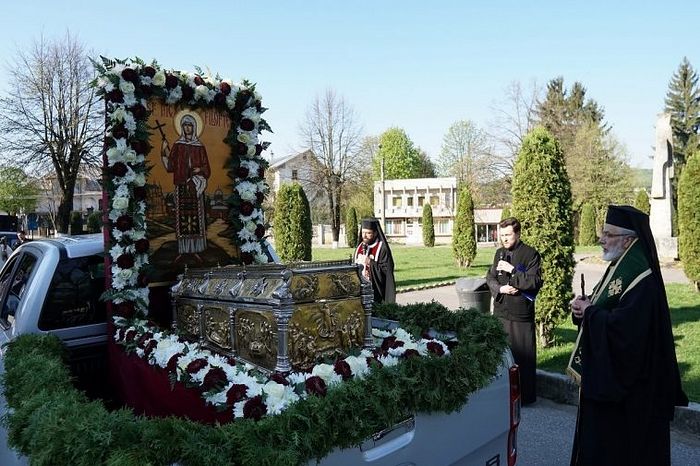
{"x": 521, "y": 338}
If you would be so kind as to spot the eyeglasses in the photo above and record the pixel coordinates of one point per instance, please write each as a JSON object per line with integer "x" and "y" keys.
{"x": 608, "y": 235}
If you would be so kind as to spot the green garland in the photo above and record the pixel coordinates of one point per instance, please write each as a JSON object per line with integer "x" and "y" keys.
{"x": 55, "y": 424}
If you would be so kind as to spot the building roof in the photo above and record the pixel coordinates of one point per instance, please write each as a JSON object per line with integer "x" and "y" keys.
{"x": 279, "y": 162}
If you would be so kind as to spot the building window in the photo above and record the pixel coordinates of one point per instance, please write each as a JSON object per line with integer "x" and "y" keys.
{"x": 409, "y": 201}
{"x": 487, "y": 233}
{"x": 396, "y": 201}
{"x": 434, "y": 201}
{"x": 394, "y": 227}
{"x": 442, "y": 227}
{"x": 421, "y": 201}
{"x": 295, "y": 175}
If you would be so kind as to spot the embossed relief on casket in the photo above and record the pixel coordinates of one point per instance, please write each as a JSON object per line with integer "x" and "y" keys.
{"x": 304, "y": 287}
{"x": 344, "y": 284}
{"x": 187, "y": 318}
{"x": 259, "y": 287}
{"x": 256, "y": 337}
{"x": 327, "y": 329}
{"x": 217, "y": 329}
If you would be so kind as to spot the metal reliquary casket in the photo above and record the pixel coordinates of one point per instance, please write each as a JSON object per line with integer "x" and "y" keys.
{"x": 276, "y": 317}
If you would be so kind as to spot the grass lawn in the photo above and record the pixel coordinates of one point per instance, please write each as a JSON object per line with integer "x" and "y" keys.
{"x": 415, "y": 266}
{"x": 685, "y": 317}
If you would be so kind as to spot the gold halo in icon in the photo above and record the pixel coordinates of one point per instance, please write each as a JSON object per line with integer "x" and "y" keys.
{"x": 197, "y": 118}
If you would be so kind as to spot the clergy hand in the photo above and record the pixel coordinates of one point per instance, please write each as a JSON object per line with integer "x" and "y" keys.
{"x": 505, "y": 266}
{"x": 507, "y": 289}
{"x": 579, "y": 306}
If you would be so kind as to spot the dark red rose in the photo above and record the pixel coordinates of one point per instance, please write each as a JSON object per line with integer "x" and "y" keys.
{"x": 247, "y": 208}
{"x": 139, "y": 111}
{"x": 142, "y": 245}
{"x": 435, "y": 348}
{"x": 171, "y": 81}
{"x": 215, "y": 378}
{"x": 141, "y": 342}
{"x": 140, "y": 193}
{"x": 115, "y": 95}
{"x": 279, "y": 378}
{"x": 373, "y": 361}
{"x": 150, "y": 346}
{"x": 125, "y": 309}
{"x": 236, "y": 393}
{"x": 260, "y": 231}
{"x": 187, "y": 93}
{"x": 254, "y": 408}
{"x": 259, "y": 197}
{"x": 172, "y": 362}
{"x": 146, "y": 91}
{"x": 411, "y": 353}
{"x": 196, "y": 365}
{"x": 225, "y": 88}
{"x": 118, "y": 169}
{"x": 247, "y": 258}
{"x": 198, "y": 80}
{"x": 258, "y": 151}
{"x": 231, "y": 360}
{"x": 315, "y": 385}
{"x": 219, "y": 99}
{"x": 261, "y": 170}
{"x": 141, "y": 147}
{"x": 130, "y": 335}
{"x": 142, "y": 280}
{"x": 241, "y": 149}
{"x": 148, "y": 71}
{"x": 342, "y": 368}
{"x": 119, "y": 131}
{"x": 391, "y": 342}
{"x": 242, "y": 172}
{"x": 125, "y": 223}
{"x": 125, "y": 261}
{"x": 247, "y": 124}
{"x": 130, "y": 75}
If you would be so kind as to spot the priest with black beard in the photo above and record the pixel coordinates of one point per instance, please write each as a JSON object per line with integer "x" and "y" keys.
{"x": 374, "y": 255}
{"x": 624, "y": 356}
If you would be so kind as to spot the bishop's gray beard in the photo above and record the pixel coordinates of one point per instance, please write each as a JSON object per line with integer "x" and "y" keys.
{"x": 613, "y": 254}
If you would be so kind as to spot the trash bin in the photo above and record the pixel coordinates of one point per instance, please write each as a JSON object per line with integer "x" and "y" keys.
{"x": 473, "y": 293}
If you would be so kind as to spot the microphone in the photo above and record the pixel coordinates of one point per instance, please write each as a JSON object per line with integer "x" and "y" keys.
{"x": 501, "y": 257}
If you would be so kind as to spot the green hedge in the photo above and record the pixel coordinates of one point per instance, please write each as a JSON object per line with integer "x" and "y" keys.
{"x": 54, "y": 424}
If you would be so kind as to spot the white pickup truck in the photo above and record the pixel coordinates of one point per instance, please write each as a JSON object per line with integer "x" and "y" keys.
{"x": 53, "y": 286}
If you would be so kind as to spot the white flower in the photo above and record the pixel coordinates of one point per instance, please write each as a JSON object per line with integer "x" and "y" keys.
{"x": 327, "y": 373}
{"x": 358, "y": 365}
{"x": 118, "y": 114}
{"x": 201, "y": 92}
{"x": 140, "y": 179}
{"x": 231, "y": 100}
{"x": 129, "y": 100}
{"x": 238, "y": 409}
{"x": 388, "y": 361}
{"x": 251, "y": 150}
{"x": 120, "y": 203}
{"x": 261, "y": 259}
{"x": 125, "y": 274}
{"x": 126, "y": 87}
{"x": 130, "y": 156}
{"x": 244, "y": 138}
{"x": 166, "y": 349}
{"x": 159, "y": 78}
{"x": 278, "y": 397}
{"x": 252, "y": 247}
{"x": 174, "y": 96}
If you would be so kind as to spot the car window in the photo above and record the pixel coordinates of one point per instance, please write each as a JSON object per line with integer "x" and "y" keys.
{"x": 14, "y": 283}
{"x": 74, "y": 295}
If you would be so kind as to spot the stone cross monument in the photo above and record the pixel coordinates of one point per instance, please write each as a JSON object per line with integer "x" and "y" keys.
{"x": 661, "y": 190}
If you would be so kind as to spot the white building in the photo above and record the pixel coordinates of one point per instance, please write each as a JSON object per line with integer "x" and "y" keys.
{"x": 296, "y": 167}
{"x": 401, "y": 206}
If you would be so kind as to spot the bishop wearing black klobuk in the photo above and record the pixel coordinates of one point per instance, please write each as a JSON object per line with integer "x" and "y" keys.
{"x": 374, "y": 255}
{"x": 624, "y": 357}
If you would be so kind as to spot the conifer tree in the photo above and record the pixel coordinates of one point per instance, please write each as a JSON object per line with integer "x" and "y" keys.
{"x": 689, "y": 219}
{"x": 351, "y": 234}
{"x": 463, "y": 236}
{"x": 292, "y": 224}
{"x": 542, "y": 202}
{"x": 428, "y": 227}
{"x": 641, "y": 201}
{"x": 505, "y": 213}
{"x": 587, "y": 235}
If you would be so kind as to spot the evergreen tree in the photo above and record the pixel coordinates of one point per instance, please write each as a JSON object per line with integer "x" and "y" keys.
{"x": 94, "y": 222}
{"x": 351, "y": 234}
{"x": 683, "y": 103}
{"x": 542, "y": 202}
{"x": 587, "y": 235}
{"x": 505, "y": 213}
{"x": 428, "y": 227}
{"x": 293, "y": 224}
{"x": 76, "y": 223}
{"x": 689, "y": 219}
{"x": 641, "y": 201}
{"x": 463, "y": 236}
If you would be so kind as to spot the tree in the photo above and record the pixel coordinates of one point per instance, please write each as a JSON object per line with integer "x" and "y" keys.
{"x": 76, "y": 223}
{"x": 683, "y": 103}
{"x": 587, "y": 234}
{"x": 427, "y": 167}
{"x": 351, "y": 234}
{"x": 293, "y": 224}
{"x": 641, "y": 201}
{"x": 505, "y": 213}
{"x": 94, "y": 222}
{"x": 51, "y": 120}
{"x": 542, "y": 202}
{"x": 463, "y": 236}
{"x": 401, "y": 158}
{"x": 465, "y": 154}
{"x": 689, "y": 219}
{"x": 331, "y": 131}
{"x": 359, "y": 193}
{"x": 18, "y": 192}
{"x": 428, "y": 227}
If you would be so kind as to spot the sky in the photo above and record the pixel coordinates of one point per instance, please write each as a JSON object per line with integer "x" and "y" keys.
{"x": 418, "y": 65}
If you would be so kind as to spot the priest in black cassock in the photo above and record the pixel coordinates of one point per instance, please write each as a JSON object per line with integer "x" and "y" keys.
{"x": 374, "y": 255}
{"x": 624, "y": 357}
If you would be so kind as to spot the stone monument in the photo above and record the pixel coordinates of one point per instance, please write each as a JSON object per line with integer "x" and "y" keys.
{"x": 660, "y": 217}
